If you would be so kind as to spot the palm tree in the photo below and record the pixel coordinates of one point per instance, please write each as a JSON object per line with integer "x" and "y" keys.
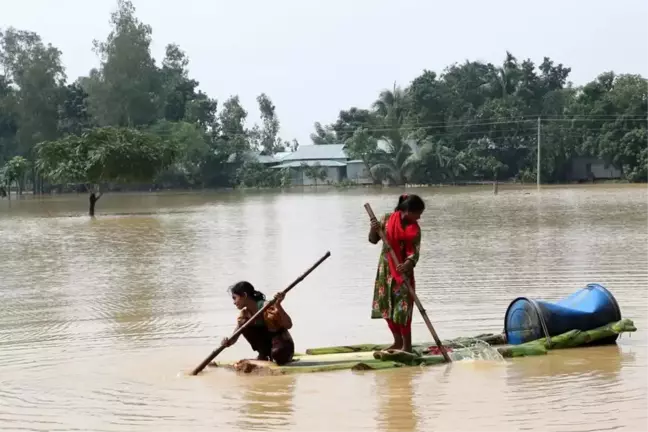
{"x": 399, "y": 163}
{"x": 391, "y": 104}
{"x": 504, "y": 80}
{"x": 402, "y": 157}
{"x": 445, "y": 160}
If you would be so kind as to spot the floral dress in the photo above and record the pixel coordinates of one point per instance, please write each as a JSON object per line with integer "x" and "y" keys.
{"x": 391, "y": 299}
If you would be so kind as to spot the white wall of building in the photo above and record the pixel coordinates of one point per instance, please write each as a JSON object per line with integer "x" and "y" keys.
{"x": 299, "y": 178}
{"x": 357, "y": 172}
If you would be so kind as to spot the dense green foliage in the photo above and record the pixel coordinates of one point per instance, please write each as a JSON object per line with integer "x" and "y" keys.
{"x": 481, "y": 121}
{"x": 134, "y": 120}
{"x": 130, "y": 120}
{"x": 105, "y": 154}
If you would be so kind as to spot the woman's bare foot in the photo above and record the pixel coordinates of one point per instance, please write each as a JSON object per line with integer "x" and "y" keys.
{"x": 398, "y": 342}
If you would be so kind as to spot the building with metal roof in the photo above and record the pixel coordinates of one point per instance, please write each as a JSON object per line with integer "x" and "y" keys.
{"x": 332, "y": 160}
{"x": 264, "y": 159}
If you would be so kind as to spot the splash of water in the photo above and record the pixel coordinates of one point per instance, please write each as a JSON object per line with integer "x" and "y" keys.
{"x": 477, "y": 350}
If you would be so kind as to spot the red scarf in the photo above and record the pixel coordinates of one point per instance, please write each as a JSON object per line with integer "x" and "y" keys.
{"x": 401, "y": 240}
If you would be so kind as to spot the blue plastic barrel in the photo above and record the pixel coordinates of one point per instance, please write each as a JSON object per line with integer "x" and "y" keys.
{"x": 586, "y": 309}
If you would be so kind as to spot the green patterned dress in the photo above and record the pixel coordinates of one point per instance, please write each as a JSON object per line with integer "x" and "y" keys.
{"x": 391, "y": 300}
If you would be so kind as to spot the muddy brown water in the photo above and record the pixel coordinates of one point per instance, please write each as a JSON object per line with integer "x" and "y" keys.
{"x": 100, "y": 318}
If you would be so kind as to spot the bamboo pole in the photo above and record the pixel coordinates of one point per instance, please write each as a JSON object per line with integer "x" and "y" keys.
{"x": 238, "y": 331}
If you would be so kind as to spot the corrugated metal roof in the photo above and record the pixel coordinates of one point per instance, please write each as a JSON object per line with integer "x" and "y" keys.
{"x": 323, "y": 151}
{"x": 264, "y": 159}
{"x": 319, "y": 162}
{"x": 280, "y": 155}
{"x": 313, "y": 152}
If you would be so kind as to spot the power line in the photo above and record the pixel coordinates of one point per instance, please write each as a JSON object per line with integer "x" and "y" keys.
{"x": 469, "y": 123}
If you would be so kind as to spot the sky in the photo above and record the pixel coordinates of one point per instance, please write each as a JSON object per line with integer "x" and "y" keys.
{"x": 314, "y": 58}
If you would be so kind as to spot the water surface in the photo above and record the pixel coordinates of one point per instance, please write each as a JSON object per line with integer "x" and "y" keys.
{"x": 99, "y": 318}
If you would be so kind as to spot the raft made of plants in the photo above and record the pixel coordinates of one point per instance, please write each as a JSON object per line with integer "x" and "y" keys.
{"x": 374, "y": 356}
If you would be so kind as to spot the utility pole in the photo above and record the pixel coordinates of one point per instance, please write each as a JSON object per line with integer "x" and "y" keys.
{"x": 538, "y": 168}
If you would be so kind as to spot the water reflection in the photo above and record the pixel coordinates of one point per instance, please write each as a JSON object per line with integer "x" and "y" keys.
{"x": 129, "y": 292}
{"x": 600, "y": 363}
{"x": 573, "y": 385}
{"x": 396, "y": 408}
{"x": 34, "y": 300}
{"x": 266, "y": 403}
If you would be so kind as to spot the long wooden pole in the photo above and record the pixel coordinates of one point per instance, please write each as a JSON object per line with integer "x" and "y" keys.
{"x": 429, "y": 325}
{"x": 238, "y": 331}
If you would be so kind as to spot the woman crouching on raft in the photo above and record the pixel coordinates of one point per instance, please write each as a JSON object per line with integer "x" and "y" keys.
{"x": 391, "y": 300}
{"x": 269, "y": 335}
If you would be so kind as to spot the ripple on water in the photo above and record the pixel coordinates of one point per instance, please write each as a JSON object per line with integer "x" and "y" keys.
{"x": 98, "y": 316}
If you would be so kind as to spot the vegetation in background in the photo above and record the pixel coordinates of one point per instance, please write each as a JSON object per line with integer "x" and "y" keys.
{"x": 472, "y": 121}
{"x": 105, "y": 155}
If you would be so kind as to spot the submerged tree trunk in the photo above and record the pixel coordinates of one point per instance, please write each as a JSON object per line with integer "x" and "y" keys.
{"x": 93, "y": 202}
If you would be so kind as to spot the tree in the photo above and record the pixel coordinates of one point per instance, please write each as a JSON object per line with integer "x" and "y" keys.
{"x": 193, "y": 151}
{"x": 361, "y": 145}
{"x": 15, "y": 170}
{"x": 74, "y": 115}
{"x": 270, "y": 143}
{"x": 470, "y": 121}
{"x": 352, "y": 119}
{"x": 294, "y": 145}
{"x": 127, "y": 88}
{"x": 323, "y": 135}
{"x": 107, "y": 154}
{"x": 234, "y": 139}
{"x": 177, "y": 89}
{"x": 429, "y": 100}
{"x": 315, "y": 172}
{"x": 201, "y": 109}
{"x": 398, "y": 164}
{"x": 8, "y": 120}
{"x": 36, "y": 75}
{"x": 254, "y": 174}
{"x": 478, "y": 120}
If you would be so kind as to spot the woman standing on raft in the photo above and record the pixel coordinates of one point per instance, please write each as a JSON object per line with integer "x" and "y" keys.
{"x": 269, "y": 335}
{"x": 391, "y": 300}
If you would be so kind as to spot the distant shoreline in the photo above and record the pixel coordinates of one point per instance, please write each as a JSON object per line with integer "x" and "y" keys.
{"x": 502, "y": 184}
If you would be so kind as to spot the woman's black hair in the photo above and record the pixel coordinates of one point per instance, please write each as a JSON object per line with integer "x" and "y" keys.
{"x": 245, "y": 288}
{"x": 410, "y": 203}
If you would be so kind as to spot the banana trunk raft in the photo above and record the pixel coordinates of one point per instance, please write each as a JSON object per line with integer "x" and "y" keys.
{"x": 372, "y": 357}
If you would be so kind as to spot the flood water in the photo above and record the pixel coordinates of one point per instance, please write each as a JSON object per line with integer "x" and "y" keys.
{"x": 100, "y": 318}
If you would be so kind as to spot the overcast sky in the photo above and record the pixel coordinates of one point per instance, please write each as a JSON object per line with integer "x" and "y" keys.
{"x": 315, "y": 57}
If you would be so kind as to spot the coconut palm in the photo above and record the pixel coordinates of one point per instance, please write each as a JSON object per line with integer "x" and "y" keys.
{"x": 399, "y": 162}
{"x": 391, "y": 104}
{"x": 399, "y": 156}
{"x": 505, "y": 80}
